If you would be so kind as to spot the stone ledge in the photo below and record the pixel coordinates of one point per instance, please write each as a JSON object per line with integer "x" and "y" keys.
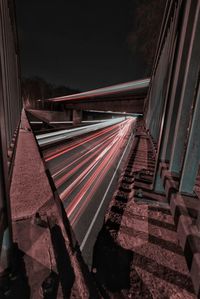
{"x": 32, "y": 193}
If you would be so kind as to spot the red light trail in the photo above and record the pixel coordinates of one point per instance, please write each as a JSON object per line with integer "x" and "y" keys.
{"x": 80, "y": 167}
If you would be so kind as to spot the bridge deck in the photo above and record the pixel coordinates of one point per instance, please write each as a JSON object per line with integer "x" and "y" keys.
{"x": 137, "y": 253}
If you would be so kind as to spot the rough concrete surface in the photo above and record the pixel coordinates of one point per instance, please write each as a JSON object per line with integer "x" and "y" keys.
{"x": 137, "y": 253}
{"x": 46, "y": 259}
{"x": 30, "y": 188}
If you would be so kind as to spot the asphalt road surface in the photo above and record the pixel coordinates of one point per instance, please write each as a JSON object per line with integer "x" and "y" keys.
{"x": 85, "y": 170}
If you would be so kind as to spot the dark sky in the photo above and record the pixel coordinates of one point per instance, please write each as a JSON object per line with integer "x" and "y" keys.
{"x": 80, "y": 44}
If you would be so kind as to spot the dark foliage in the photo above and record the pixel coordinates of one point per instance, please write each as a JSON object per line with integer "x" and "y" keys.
{"x": 143, "y": 38}
{"x": 36, "y": 88}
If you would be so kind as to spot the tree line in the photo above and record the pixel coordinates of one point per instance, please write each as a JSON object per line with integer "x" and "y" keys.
{"x": 36, "y": 89}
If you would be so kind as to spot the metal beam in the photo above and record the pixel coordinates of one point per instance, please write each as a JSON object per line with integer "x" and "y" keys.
{"x": 183, "y": 118}
{"x": 192, "y": 157}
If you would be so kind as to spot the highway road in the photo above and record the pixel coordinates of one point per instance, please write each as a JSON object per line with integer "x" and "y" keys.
{"x": 84, "y": 171}
{"x": 51, "y": 138}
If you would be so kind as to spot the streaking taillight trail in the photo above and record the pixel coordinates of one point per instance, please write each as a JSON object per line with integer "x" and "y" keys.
{"x": 80, "y": 166}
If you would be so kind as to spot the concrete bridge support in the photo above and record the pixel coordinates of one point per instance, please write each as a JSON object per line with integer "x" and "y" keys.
{"x": 77, "y": 116}
{"x": 177, "y": 80}
{"x": 160, "y": 78}
{"x": 174, "y": 94}
{"x": 185, "y": 104}
{"x": 172, "y": 117}
{"x": 180, "y": 91}
{"x": 192, "y": 156}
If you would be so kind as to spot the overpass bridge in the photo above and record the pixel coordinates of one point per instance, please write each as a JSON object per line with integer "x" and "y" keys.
{"x": 126, "y": 97}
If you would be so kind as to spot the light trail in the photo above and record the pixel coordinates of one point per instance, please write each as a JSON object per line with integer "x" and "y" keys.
{"x": 108, "y": 153}
{"x": 88, "y": 183}
{"x": 76, "y": 164}
{"x": 50, "y": 138}
{"x": 96, "y": 180}
{"x": 49, "y": 157}
{"x": 102, "y": 201}
{"x": 80, "y": 167}
{"x": 99, "y": 174}
{"x": 114, "y": 89}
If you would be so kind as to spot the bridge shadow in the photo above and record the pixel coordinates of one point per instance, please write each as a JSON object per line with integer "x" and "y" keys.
{"x": 57, "y": 235}
{"x": 65, "y": 270}
{"x": 111, "y": 263}
{"x": 114, "y": 269}
{"x": 93, "y": 292}
{"x": 18, "y": 284}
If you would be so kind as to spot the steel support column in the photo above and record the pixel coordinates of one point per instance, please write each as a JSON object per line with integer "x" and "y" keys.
{"x": 5, "y": 218}
{"x": 10, "y": 109}
{"x": 178, "y": 76}
{"x": 191, "y": 74}
{"x": 192, "y": 156}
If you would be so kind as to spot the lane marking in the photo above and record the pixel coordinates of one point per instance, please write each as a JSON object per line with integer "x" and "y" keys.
{"x": 104, "y": 197}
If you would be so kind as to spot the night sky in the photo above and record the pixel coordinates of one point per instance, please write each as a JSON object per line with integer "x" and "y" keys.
{"x": 76, "y": 43}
